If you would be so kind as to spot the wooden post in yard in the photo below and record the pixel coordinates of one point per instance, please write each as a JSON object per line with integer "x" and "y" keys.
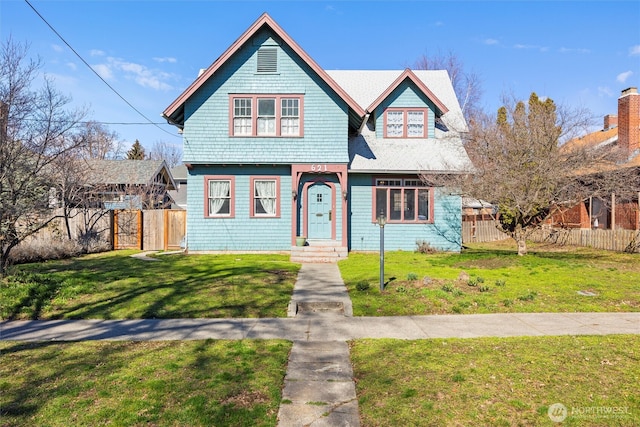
{"x": 140, "y": 231}
{"x": 115, "y": 230}
{"x": 166, "y": 228}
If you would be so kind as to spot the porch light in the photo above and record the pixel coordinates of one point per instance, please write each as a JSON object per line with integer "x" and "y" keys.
{"x": 294, "y": 194}
{"x": 345, "y": 194}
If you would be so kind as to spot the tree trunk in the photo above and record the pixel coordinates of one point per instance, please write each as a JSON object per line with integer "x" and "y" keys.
{"x": 522, "y": 247}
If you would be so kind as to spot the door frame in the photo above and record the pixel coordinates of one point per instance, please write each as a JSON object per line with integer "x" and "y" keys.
{"x": 305, "y": 190}
{"x": 338, "y": 170}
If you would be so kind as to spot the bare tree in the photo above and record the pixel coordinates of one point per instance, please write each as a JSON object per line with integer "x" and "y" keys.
{"x": 170, "y": 153}
{"x": 466, "y": 84}
{"x": 98, "y": 142}
{"x": 36, "y": 128}
{"x": 522, "y": 167}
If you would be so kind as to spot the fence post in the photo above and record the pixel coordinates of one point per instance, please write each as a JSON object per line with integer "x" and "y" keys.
{"x": 140, "y": 230}
{"x": 165, "y": 215}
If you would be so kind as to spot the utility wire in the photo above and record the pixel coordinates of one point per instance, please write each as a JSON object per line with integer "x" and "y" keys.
{"x": 96, "y": 73}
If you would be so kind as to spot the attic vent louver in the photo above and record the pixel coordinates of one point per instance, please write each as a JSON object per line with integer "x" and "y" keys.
{"x": 268, "y": 60}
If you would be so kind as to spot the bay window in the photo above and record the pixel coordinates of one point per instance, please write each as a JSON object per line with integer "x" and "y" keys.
{"x": 407, "y": 200}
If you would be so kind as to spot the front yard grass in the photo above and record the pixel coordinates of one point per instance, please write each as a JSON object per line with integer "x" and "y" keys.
{"x": 114, "y": 285}
{"x": 169, "y": 383}
{"x": 493, "y": 279}
{"x": 498, "y": 381}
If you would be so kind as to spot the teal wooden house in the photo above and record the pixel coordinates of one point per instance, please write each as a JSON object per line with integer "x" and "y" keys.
{"x": 278, "y": 148}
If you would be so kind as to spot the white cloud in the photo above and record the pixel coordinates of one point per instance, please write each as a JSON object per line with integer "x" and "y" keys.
{"x": 143, "y": 76}
{"x": 490, "y": 41}
{"x": 438, "y": 24}
{"x": 605, "y": 91}
{"x": 622, "y": 77}
{"x": 531, "y": 47}
{"x": 166, "y": 59}
{"x": 103, "y": 70}
{"x": 57, "y": 48}
{"x": 634, "y": 50}
{"x": 573, "y": 50}
{"x": 96, "y": 52}
{"x": 72, "y": 65}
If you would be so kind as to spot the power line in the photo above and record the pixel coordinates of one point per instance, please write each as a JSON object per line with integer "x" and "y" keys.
{"x": 96, "y": 73}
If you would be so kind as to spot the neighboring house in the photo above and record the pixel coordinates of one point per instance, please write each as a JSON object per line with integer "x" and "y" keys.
{"x": 620, "y": 132}
{"x": 277, "y": 147}
{"x": 179, "y": 195}
{"x": 130, "y": 184}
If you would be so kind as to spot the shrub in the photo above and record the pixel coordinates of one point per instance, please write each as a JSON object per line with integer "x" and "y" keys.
{"x": 362, "y": 286}
{"x": 500, "y": 282}
{"x": 472, "y": 282}
{"x": 484, "y": 288}
{"x": 528, "y": 296}
{"x": 448, "y": 287}
{"x": 412, "y": 276}
{"x": 424, "y": 247}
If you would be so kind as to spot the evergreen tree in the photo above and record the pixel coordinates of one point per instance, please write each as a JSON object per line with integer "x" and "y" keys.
{"x": 136, "y": 152}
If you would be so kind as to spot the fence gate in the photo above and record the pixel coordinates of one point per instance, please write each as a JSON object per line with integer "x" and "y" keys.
{"x": 127, "y": 229}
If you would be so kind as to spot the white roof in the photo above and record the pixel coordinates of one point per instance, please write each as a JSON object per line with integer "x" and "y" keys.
{"x": 365, "y": 86}
{"x": 443, "y": 154}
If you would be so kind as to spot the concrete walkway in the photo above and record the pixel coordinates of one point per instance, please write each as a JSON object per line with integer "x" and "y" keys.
{"x": 319, "y": 388}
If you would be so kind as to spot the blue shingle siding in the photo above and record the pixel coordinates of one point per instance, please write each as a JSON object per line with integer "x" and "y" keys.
{"x": 405, "y": 96}
{"x": 444, "y": 234}
{"x": 325, "y": 120}
{"x": 241, "y": 233}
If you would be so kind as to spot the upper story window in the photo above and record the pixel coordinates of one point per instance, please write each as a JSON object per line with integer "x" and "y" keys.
{"x": 403, "y": 200}
{"x": 266, "y": 115}
{"x": 405, "y": 123}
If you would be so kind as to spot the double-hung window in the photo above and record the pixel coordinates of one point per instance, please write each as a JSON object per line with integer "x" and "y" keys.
{"x": 266, "y": 115}
{"x": 403, "y": 200}
{"x": 405, "y": 123}
{"x": 265, "y": 196}
{"x": 219, "y": 193}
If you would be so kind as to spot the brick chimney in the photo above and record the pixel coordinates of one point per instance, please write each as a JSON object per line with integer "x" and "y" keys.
{"x": 629, "y": 120}
{"x": 610, "y": 121}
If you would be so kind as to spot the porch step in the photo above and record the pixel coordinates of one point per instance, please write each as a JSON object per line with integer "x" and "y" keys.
{"x": 318, "y": 251}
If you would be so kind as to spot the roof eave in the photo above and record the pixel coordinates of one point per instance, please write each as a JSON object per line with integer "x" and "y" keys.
{"x": 408, "y": 74}
{"x": 170, "y": 112}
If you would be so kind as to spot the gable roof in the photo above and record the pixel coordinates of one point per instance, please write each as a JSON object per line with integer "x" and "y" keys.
{"x": 174, "y": 113}
{"x": 408, "y": 74}
{"x": 128, "y": 172}
{"x": 370, "y": 87}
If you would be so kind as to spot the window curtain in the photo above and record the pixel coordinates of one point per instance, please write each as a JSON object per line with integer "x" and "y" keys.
{"x": 218, "y": 194}
{"x": 266, "y": 192}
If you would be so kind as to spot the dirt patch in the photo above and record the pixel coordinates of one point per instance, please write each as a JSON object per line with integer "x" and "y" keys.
{"x": 246, "y": 399}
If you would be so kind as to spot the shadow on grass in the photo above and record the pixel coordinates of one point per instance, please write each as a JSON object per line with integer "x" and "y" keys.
{"x": 121, "y": 287}
{"x": 136, "y": 383}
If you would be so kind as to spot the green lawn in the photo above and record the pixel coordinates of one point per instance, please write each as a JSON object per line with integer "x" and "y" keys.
{"x": 169, "y": 383}
{"x": 114, "y": 285}
{"x": 498, "y": 381}
{"x": 547, "y": 280}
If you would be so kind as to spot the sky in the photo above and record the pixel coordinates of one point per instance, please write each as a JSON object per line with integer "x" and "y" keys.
{"x": 579, "y": 53}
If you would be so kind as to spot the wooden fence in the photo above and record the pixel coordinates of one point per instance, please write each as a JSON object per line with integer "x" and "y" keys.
{"x": 97, "y": 230}
{"x": 157, "y": 229}
{"x": 479, "y": 231}
{"x": 612, "y": 240}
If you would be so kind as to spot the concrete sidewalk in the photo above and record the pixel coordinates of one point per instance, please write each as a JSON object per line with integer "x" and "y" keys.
{"x": 324, "y": 327}
{"x": 319, "y": 388}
